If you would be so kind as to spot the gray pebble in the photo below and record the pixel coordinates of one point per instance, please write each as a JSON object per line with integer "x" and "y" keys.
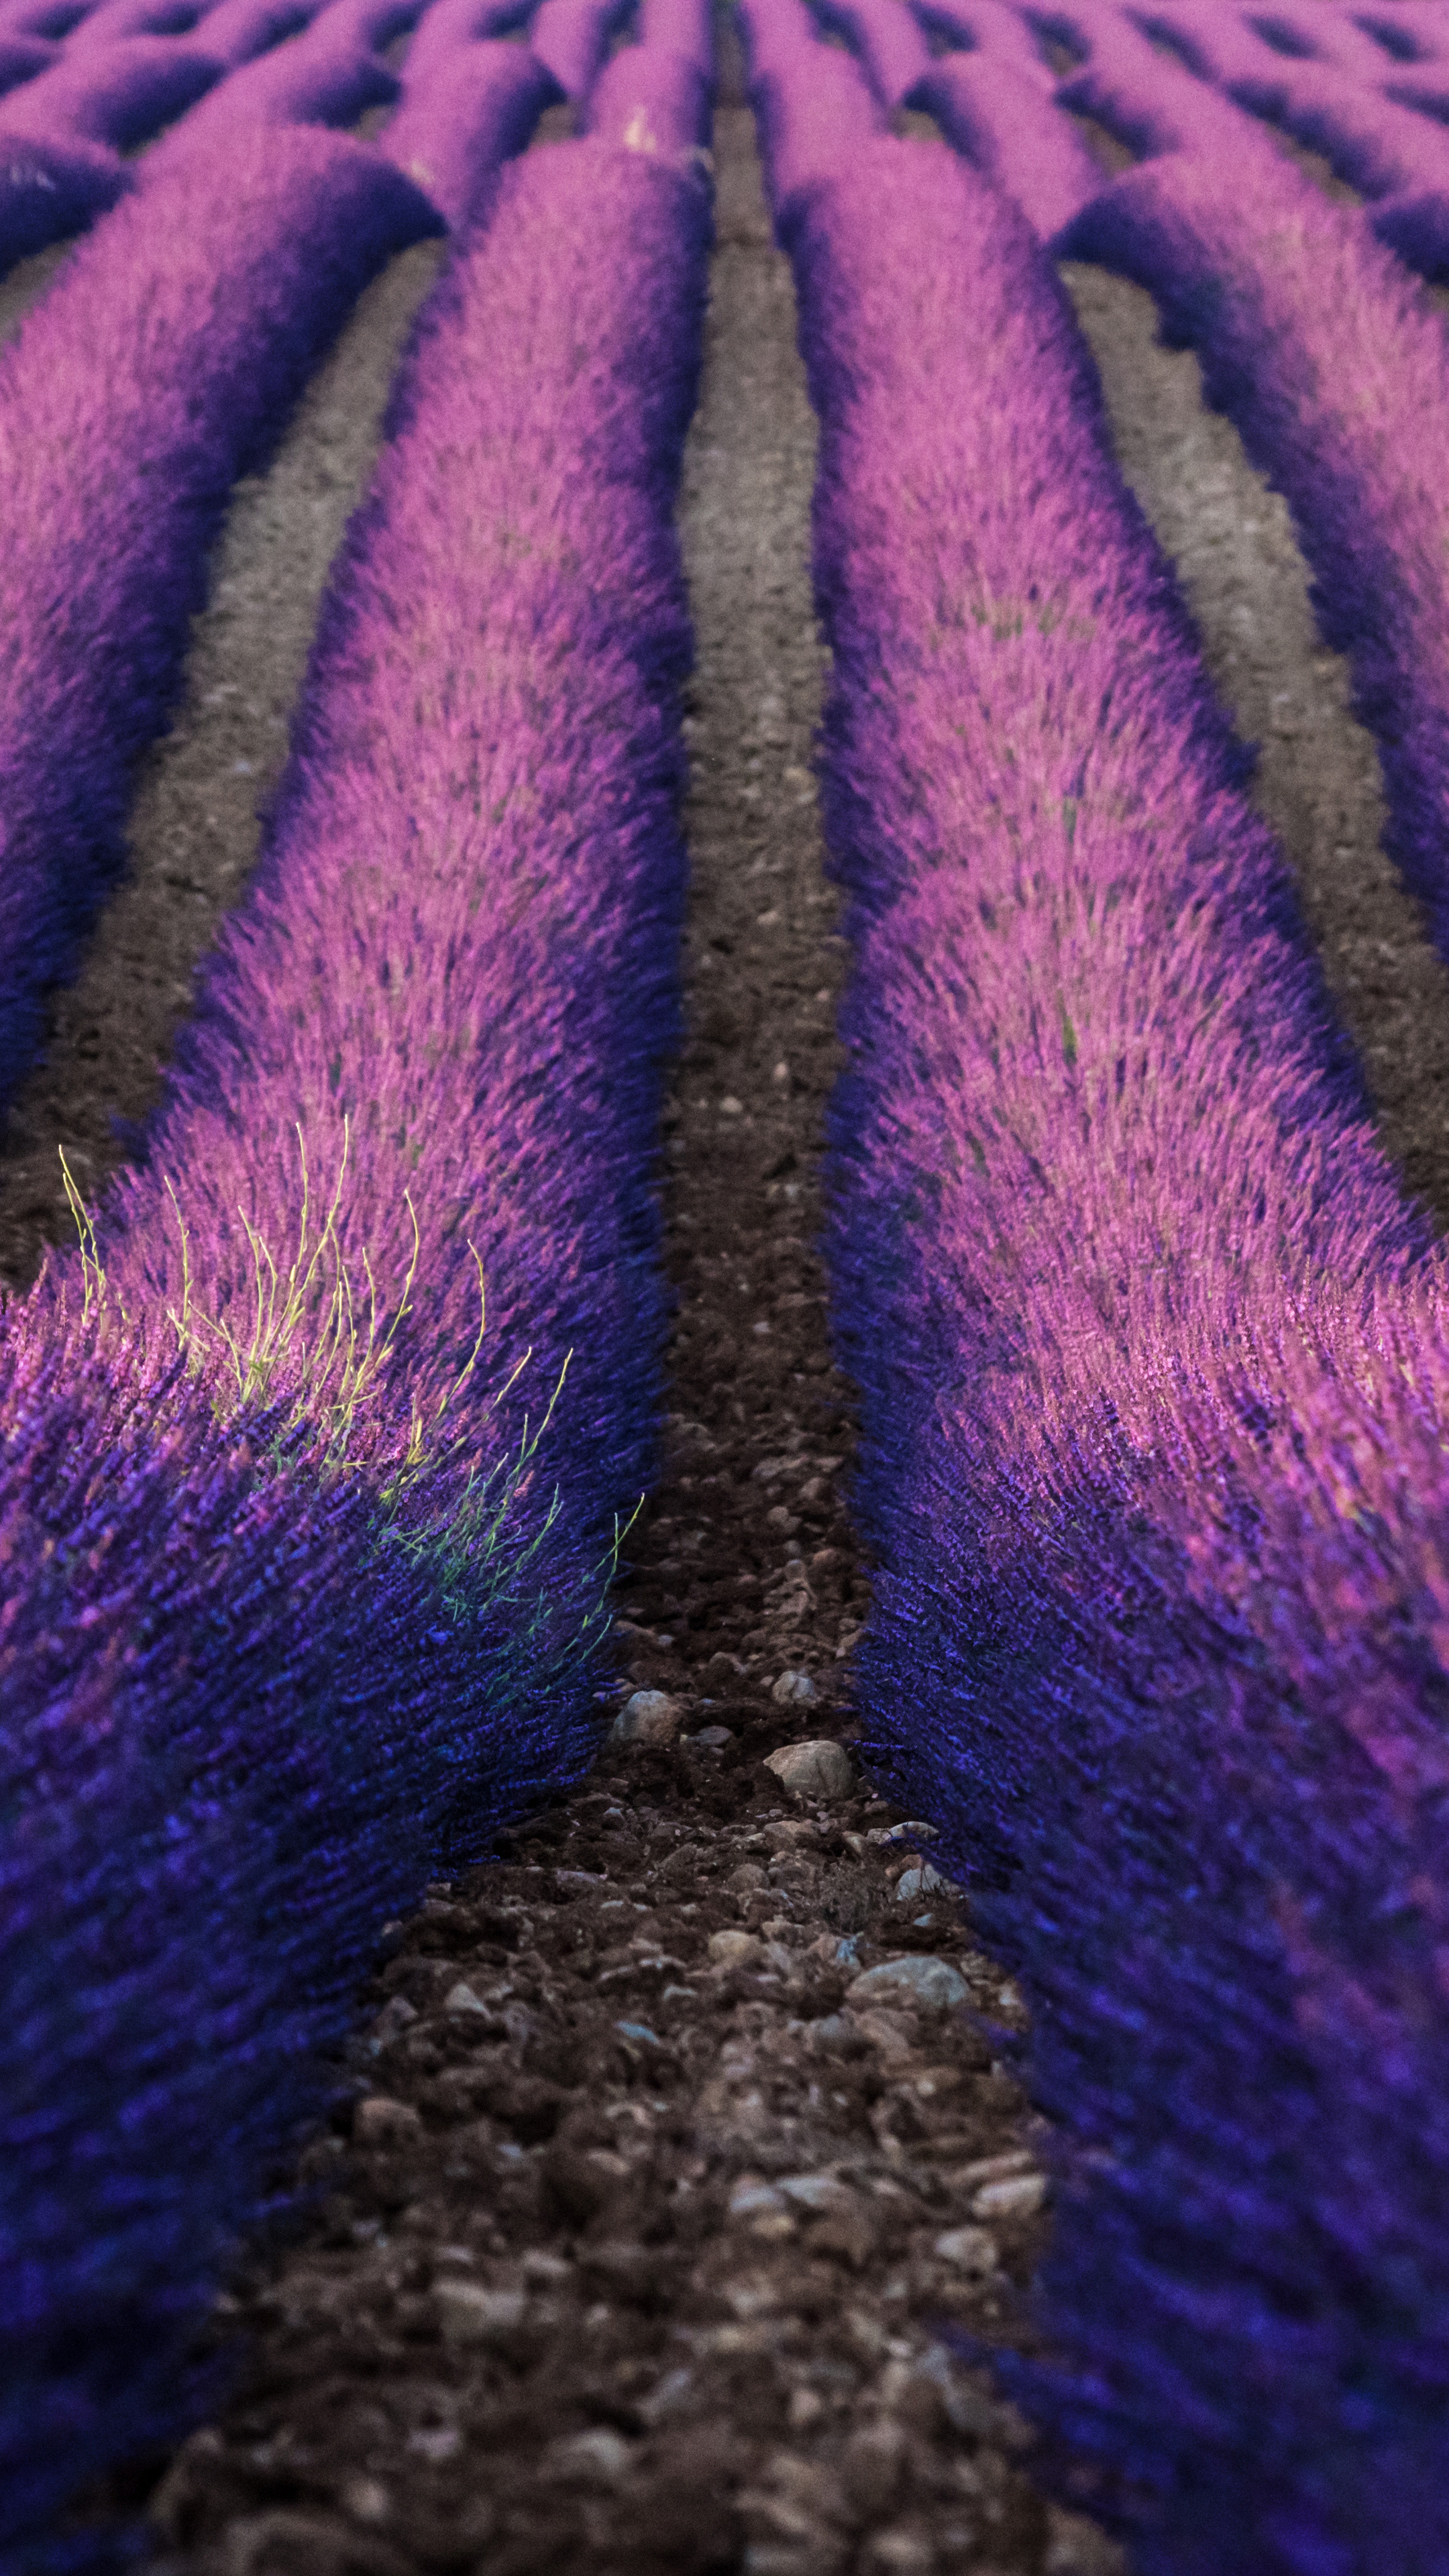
{"x": 819, "y": 1770}
{"x": 923, "y": 1981}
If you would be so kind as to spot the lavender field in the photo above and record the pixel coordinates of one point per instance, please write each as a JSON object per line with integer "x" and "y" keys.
{"x": 724, "y": 1363}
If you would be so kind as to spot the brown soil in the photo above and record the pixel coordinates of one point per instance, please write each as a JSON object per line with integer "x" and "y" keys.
{"x": 636, "y": 2245}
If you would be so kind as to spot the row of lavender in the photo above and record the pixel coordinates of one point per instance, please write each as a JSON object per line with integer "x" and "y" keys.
{"x": 1155, "y": 1402}
{"x": 163, "y": 364}
{"x": 314, "y": 1458}
{"x": 1312, "y": 337}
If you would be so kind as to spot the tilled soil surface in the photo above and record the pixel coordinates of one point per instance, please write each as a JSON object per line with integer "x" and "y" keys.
{"x": 680, "y": 2137}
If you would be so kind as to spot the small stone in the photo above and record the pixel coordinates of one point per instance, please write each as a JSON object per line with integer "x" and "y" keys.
{"x": 380, "y": 2122}
{"x": 597, "y": 2458}
{"x": 919, "y": 1882}
{"x": 971, "y": 2250}
{"x": 713, "y": 1738}
{"x": 989, "y": 2168}
{"x": 816, "y": 2191}
{"x": 837, "y": 2031}
{"x": 1075, "y": 2547}
{"x": 899, "y": 2553}
{"x": 929, "y": 1981}
{"x": 1017, "y": 2196}
{"x": 792, "y": 1686}
{"x": 470, "y": 2315}
{"x": 647, "y": 1717}
{"x": 436, "y": 2442}
{"x": 873, "y": 2466}
{"x": 819, "y": 1770}
{"x": 750, "y": 2199}
{"x": 666, "y": 2398}
{"x": 849, "y": 2231}
{"x": 395, "y": 2016}
{"x": 365, "y": 2499}
{"x": 730, "y": 1107}
{"x": 637, "y": 2034}
{"x": 733, "y": 1949}
{"x": 461, "y": 1999}
{"x": 545, "y": 2270}
{"x": 890, "y": 2032}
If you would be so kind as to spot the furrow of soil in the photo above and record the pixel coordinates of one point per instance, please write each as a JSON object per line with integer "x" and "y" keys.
{"x": 194, "y": 827}
{"x": 641, "y": 2239}
{"x": 1231, "y": 539}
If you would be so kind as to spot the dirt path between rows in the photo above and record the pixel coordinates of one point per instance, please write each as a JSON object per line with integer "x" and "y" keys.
{"x": 638, "y": 2246}
{"x": 640, "y": 2250}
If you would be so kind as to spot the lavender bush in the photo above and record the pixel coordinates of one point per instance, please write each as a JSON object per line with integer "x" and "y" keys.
{"x": 159, "y": 368}
{"x": 305, "y": 1584}
{"x": 1329, "y": 361}
{"x": 1334, "y": 369}
{"x": 1154, "y": 1388}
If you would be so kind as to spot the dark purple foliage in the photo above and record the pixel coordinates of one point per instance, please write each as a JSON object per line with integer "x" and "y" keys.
{"x": 216, "y": 1781}
{"x": 1155, "y": 1398}
{"x": 21, "y": 57}
{"x": 329, "y": 75}
{"x": 159, "y": 368}
{"x": 120, "y": 19}
{"x": 262, "y": 1668}
{"x": 48, "y": 190}
{"x": 988, "y": 27}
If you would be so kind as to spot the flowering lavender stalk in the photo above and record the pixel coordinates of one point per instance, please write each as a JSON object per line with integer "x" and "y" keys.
{"x": 300, "y": 1598}
{"x": 1155, "y": 1394}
